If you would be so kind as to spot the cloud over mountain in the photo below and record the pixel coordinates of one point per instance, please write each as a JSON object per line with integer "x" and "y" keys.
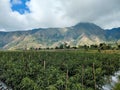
{"x": 59, "y": 13}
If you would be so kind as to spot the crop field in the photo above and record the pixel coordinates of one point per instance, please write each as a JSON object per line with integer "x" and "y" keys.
{"x": 57, "y": 70}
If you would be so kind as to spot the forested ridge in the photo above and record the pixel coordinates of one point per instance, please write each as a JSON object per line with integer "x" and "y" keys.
{"x": 57, "y": 70}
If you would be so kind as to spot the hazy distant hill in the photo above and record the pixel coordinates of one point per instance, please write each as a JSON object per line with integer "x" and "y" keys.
{"x": 80, "y": 34}
{"x": 113, "y": 34}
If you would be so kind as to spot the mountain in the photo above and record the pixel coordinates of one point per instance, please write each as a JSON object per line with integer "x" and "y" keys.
{"x": 79, "y": 34}
{"x": 113, "y": 34}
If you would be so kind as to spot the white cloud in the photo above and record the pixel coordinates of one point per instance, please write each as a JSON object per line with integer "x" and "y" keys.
{"x": 60, "y": 13}
{"x": 2, "y": 29}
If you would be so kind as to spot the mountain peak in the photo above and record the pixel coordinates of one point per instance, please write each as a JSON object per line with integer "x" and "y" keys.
{"x": 85, "y": 23}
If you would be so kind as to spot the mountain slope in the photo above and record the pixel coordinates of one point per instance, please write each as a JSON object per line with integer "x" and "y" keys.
{"x": 113, "y": 34}
{"x": 80, "y": 34}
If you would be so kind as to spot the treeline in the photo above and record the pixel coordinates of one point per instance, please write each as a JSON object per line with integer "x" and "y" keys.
{"x": 66, "y": 70}
{"x": 101, "y": 46}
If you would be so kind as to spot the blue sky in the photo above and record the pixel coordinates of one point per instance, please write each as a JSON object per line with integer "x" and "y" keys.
{"x": 30, "y": 14}
{"x": 20, "y": 6}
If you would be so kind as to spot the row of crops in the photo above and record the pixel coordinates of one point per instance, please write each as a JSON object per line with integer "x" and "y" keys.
{"x": 57, "y": 70}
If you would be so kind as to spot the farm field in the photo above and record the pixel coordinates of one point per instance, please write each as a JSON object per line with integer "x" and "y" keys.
{"x": 58, "y": 69}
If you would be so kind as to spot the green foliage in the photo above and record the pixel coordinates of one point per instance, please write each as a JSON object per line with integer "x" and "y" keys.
{"x": 117, "y": 86}
{"x": 28, "y": 84}
{"x": 58, "y": 70}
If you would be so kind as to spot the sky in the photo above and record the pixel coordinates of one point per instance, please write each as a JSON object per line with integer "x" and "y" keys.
{"x": 30, "y": 14}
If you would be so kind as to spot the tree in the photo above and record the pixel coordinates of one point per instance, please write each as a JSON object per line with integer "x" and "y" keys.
{"x": 102, "y": 46}
{"x": 28, "y": 84}
{"x": 93, "y": 46}
{"x": 86, "y": 47}
{"x": 118, "y": 46}
{"x": 51, "y": 87}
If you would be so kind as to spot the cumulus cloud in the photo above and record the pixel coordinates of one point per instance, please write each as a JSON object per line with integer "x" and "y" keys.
{"x": 59, "y": 13}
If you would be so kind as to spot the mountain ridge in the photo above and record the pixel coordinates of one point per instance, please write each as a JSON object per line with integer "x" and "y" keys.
{"x": 79, "y": 34}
